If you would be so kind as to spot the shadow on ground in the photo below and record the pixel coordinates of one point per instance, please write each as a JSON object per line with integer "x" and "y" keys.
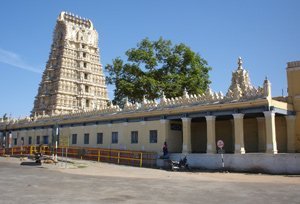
{"x": 30, "y": 163}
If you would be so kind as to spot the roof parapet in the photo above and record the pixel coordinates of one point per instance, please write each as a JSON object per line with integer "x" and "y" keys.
{"x": 293, "y": 64}
{"x": 78, "y": 20}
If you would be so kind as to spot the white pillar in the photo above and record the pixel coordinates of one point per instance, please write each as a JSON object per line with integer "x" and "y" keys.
{"x": 271, "y": 146}
{"x": 211, "y": 134}
{"x": 239, "y": 147}
{"x": 186, "y": 133}
{"x": 291, "y": 133}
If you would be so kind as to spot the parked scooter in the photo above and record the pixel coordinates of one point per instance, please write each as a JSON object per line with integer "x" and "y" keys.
{"x": 38, "y": 157}
{"x": 179, "y": 165}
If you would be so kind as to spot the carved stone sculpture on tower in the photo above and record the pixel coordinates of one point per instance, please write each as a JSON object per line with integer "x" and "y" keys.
{"x": 241, "y": 86}
{"x": 73, "y": 79}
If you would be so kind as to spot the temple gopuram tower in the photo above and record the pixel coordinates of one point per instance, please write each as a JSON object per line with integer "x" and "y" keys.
{"x": 73, "y": 79}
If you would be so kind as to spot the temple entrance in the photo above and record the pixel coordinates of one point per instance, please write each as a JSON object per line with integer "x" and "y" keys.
{"x": 225, "y": 132}
{"x": 176, "y": 137}
{"x": 281, "y": 133}
{"x": 199, "y": 135}
{"x": 253, "y": 140}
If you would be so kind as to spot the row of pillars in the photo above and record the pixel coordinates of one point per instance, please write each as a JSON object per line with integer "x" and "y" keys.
{"x": 266, "y": 129}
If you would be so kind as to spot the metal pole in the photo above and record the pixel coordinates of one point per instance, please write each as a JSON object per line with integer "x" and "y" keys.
{"x": 66, "y": 157}
{"x": 55, "y": 157}
{"x": 56, "y": 138}
{"x": 67, "y": 151}
{"x": 52, "y": 143}
{"x": 222, "y": 158}
{"x": 141, "y": 160}
{"x": 62, "y": 154}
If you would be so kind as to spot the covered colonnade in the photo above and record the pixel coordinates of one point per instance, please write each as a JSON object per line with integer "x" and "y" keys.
{"x": 261, "y": 129}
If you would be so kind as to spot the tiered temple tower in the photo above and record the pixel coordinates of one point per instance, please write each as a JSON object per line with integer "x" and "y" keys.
{"x": 73, "y": 79}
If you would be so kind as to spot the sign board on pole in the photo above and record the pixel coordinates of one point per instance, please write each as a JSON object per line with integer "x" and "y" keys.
{"x": 56, "y": 130}
{"x": 220, "y": 144}
{"x": 64, "y": 140}
{"x": 9, "y": 140}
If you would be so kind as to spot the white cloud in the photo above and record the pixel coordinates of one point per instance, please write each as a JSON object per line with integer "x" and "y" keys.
{"x": 15, "y": 60}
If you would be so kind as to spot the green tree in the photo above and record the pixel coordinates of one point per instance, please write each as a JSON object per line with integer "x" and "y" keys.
{"x": 155, "y": 67}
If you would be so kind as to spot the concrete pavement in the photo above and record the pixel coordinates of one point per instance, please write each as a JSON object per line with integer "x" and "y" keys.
{"x": 122, "y": 184}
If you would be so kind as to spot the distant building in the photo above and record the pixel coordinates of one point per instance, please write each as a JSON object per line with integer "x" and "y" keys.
{"x": 73, "y": 79}
{"x": 73, "y": 97}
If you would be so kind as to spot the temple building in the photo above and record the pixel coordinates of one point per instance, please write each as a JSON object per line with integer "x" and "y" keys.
{"x": 73, "y": 79}
{"x": 73, "y": 97}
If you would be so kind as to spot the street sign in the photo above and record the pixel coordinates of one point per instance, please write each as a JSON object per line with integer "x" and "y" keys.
{"x": 64, "y": 140}
{"x": 220, "y": 144}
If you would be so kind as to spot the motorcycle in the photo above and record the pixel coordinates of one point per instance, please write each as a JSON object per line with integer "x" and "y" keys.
{"x": 38, "y": 158}
{"x": 179, "y": 165}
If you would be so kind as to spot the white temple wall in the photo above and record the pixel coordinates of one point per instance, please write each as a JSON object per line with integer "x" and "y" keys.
{"x": 253, "y": 162}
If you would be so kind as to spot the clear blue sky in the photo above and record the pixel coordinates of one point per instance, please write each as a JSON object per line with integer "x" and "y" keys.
{"x": 265, "y": 33}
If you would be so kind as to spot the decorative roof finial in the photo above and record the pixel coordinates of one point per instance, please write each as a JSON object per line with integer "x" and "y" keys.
{"x": 162, "y": 98}
{"x": 240, "y": 62}
{"x": 163, "y": 95}
{"x": 185, "y": 93}
{"x": 126, "y": 101}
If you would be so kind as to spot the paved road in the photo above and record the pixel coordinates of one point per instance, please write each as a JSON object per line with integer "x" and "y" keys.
{"x": 32, "y": 184}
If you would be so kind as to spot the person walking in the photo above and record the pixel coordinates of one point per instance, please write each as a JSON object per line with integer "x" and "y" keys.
{"x": 165, "y": 150}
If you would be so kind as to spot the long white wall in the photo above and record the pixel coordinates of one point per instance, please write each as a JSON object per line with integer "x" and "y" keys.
{"x": 252, "y": 162}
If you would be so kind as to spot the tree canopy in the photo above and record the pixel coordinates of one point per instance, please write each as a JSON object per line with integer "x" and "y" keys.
{"x": 157, "y": 67}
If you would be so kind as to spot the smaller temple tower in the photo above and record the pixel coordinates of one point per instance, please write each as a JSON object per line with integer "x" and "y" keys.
{"x": 240, "y": 85}
{"x": 240, "y": 78}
